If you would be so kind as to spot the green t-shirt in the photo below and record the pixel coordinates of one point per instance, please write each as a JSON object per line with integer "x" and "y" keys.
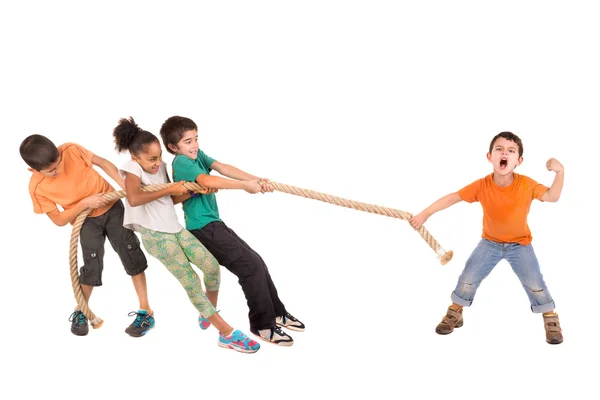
{"x": 202, "y": 210}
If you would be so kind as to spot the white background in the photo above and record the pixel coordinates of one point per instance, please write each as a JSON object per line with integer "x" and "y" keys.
{"x": 381, "y": 102}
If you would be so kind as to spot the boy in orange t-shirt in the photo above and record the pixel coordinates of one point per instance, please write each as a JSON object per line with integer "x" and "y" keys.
{"x": 65, "y": 176}
{"x": 505, "y": 198}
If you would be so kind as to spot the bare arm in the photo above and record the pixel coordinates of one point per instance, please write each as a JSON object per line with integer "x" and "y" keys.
{"x": 232, "y": 172}
{"x": 179, "y": 198}
{"x": 110, "y": 169}
{"x": 64, "y": 217}
{"x": 440, "y": 204}
{"x": 553, "y": 194}
{"x": 137, "y": 197}
{"x": 216, "y": 182}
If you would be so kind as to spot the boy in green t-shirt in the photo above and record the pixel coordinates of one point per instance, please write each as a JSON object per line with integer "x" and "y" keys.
{"x": 267, "y": 313}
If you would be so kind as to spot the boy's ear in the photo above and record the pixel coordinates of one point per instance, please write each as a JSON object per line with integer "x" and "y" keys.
{"x": 172, "y": 147}
{"x": 519, "y": 161}
{"x": 489, "y": 157}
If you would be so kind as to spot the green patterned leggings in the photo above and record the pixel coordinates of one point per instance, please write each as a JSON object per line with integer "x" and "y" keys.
{"x": 176, "y": 251}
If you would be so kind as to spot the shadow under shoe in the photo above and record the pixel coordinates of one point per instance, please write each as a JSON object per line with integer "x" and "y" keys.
{"x": 452, "y": 319}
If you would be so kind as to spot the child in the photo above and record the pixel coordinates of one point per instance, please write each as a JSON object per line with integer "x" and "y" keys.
{"x": 506, "y": 198}
{"x": 267, "y": 312}
{"x": 65, "y": 176}
{"x": 153, "y": 215}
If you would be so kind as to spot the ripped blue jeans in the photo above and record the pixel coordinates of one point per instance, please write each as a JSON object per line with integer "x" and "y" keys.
{"x": 522, "y": 260}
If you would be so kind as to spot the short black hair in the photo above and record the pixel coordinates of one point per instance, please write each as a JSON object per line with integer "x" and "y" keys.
{"x": 508, "y": 136}
{"x": 38, "y": 152}
{"x": 173, "y": 128}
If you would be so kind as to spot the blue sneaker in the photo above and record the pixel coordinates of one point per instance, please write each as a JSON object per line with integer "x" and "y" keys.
{"x": 203, "y": 322}
{"x": 238, "y": 341}
{"x": 142, "y": 323}
{"x": 79, "y": 323}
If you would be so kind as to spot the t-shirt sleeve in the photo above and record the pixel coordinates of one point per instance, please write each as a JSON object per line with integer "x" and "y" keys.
{"x": 84, "y": 153}
{"x": 537, "y": 189}
{"x": 185, "y": 169}
{"x": 470, "y": 193}
{"x": 132, "y": 167}
{"x": 208, "y": 161}
{"x": 41, "y": 205}
{"x": 164, "y": 172}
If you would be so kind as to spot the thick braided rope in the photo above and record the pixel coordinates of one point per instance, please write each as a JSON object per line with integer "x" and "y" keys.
{"x": 370, "y": 208}
{"x": 444, "y": 256}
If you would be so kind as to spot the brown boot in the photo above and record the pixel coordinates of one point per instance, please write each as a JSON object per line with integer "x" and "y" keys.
{"x": 553, "y": 331}
{"x": 452, "y": 319}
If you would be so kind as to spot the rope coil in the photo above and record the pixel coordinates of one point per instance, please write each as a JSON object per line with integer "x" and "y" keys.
{"x": 443, "y": 255}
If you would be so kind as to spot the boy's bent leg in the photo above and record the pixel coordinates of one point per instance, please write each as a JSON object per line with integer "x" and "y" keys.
{"x": 282, "y": 316}
{"x": 480, "y": 263}
{"x": 124, "y": 241}
{"x": 524, "y": 263}
{"x": 231, "y": 253}
{"x": 277, "y": 303}
{"x": 92, "y": 241}
{"x": 127, "y": 245}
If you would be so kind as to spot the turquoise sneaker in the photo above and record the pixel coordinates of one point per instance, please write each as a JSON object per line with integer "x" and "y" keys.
{"x": 203, "y": 322}
{"x": 238, "y": 341}
{"x": 79, "y": 323}
{"x": 141, "y": 324}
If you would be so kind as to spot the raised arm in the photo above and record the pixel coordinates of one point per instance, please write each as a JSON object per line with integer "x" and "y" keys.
{"x": 553, "y": 194}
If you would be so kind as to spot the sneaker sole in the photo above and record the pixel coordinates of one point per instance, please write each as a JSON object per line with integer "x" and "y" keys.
{"x": 239, "y": 350}
{"x": 284, "y": 344}
{"x": 292, "y": 328}
{"x": 140, "y": 335}
{"x": 447, "y": 333}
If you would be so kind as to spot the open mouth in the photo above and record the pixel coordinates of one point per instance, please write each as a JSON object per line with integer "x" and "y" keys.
{"x": 503, "y": 163}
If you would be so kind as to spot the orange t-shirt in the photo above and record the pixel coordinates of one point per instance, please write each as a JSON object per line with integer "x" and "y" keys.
{"x": 505, "y": 208}
{"x": 77, "y": 180}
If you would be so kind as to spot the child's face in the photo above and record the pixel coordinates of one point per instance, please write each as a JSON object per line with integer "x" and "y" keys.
{"x": 188, "y": 145}
{"x": 504, "y": 156}
{"x": 54, "y": 169}
{"x": 150, "y": 159}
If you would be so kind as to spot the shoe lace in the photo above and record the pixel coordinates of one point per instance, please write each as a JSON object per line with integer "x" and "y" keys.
{"x": 278, "y": 331}
{"x": 138, "y": 319}
{"x": 290, "y": 317}
{"x": 77, "y": 315}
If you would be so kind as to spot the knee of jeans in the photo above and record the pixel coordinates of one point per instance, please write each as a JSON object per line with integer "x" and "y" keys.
{"x": 535, "y": 289}
{"x": 466, "y": 289}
